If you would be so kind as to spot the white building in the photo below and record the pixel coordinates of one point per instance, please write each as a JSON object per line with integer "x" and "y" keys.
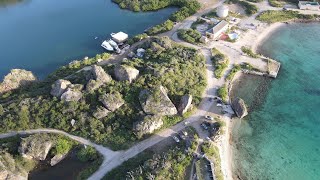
{"x": 119, "y": 37}
{"x": 217, "y": 30}
{"x": 223, "y": 11}
{"x": 308, "y": 5}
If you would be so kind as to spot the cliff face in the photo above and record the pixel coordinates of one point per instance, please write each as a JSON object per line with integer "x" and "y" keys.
{"x": 15, "y": 79}
{"x": 9, "y": 170}
{"x": 36, "y": 146}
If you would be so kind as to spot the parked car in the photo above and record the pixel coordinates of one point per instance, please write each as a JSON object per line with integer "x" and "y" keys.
{"x": 208, "y": 117}
{"x": 175, "y": 139}
{"x": 204, "y": 126}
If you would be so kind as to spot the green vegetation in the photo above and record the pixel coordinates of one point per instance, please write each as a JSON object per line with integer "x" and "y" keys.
{"x": 166, "y": 26}
{"x": 189, "y": 35}
{"x": 137, "y": 38}
{"x": 179, "y": 69}
{"x": 212, "y": 151}
{"x": 187, "y": 7}
{"x": 249, "y": 67}
{"x": 233, "y": 72}
{"x": 196, "y": 23}
{"x": 220, "y": 62}
{"x": 223, "y": 93}
{"x": 255, "y": 1}
{"x": 171, "y": 164}
{"x": 249, "y": 52}
{"x": 272, "y": 16}
{"x": 250, "y": 8}
{"x": 63, "y": 146}
{"x": 89, "y": 154}
{"x": 275, "y": 3}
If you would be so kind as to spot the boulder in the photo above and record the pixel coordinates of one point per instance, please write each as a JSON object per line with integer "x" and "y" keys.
{"x": 59, "y": 87}
{"x": 35, "y": 146}
{"x": 57, "y": 158}
{"x": 15, "y": 79}
{"x": 185, "y": 104}
{"x": 148, "y": 125}
{"x": 126, "y": 73}
{"x": 97, "y": 77}
{"x": 112, "y": 101}
{"x": 9, "y": 169}
{"x": 101, "y": 112}
{"x": 100, "y": 75}
{"x": 164, "y": 42}
{"x": 156, "y": 102}
{"x": 73, "y": 93}
{"x": 239, "y": 107}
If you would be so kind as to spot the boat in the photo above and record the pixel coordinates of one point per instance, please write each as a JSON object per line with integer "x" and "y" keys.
{"x": 112, "y": 43}
{"x": 107, "y": 46}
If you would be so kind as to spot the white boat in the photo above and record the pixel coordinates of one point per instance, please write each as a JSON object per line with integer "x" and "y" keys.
{"x": 112, "y": 43}
{"x": 107, "y": 46}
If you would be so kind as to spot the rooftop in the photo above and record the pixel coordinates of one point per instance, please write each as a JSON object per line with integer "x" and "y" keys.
{"x": 218, "y": 27}
{"x": 309, "y": 3}
{"x": 120, "y": 36}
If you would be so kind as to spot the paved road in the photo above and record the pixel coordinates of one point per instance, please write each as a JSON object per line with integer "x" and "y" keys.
{"x": 106, "y": 152}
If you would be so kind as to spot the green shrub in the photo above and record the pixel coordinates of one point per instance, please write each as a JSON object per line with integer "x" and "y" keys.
{"x": 62, "y": 146}
{"x": 220, "y": 62}
{"x": 137, "y": 38}
{"x": 189, "y": 35}
{"x": 196, "y": 23}
{"x": 223, "y": 93}
{"x": 249, "y": 52}
{"x": 249, "y": 8}
{"x": 233, "y": 72}
{"x": 166, "y": 26}
{"x": 272, "y": 16}
{"x": 275, "y": 3}
{"x": 87, "y": 154}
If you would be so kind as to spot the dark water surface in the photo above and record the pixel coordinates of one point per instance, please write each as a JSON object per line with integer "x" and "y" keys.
{"x": 41, "y": 35}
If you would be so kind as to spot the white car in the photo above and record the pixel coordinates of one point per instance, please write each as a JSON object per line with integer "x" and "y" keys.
{"x": 175, "y": 139}
{"x": 208, "y": 117}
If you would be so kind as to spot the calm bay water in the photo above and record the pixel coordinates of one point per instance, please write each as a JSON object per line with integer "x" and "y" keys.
{"x": 41, "y": 35}
{"x": 280, "y": 139}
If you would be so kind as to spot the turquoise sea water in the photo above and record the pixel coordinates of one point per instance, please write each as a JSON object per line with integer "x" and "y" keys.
{"x": 280, "y": 139}
{"x": 41, "y": 35}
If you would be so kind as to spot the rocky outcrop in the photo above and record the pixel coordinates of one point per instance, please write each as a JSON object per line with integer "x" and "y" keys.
{"x": 112, "y": 101}
{"x": 156, "y": 102}
{"x": 35, "y": 146}
{"x": 185, "y": 104}
{"x": 59, "y": 87}
{"x": 101, "y": 112}
{"x": 15, "y": 79}
{"x": 98, "y": 77}
{"x": 239, "y": 106}
{"x": 164, "y": 42}
{"x": 9, "y": 169}
{"x": 57, "y": 158}
{"x": 148, "y": 125}
{"x": 126, "y": 73}
{"x": 73, "y": 93}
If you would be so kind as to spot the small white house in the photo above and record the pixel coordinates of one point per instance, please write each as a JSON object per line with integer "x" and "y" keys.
{"x": 308, "y": 5}
{"x": 217, "y": 30}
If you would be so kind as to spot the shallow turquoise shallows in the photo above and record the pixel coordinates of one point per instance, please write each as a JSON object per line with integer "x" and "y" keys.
{"x": 41, "y": 35}
{"x": 281, "y": 139}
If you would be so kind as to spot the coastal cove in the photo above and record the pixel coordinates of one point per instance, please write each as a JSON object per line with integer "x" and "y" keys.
{"x": 40, "y": 36}
{"x": 280, "y": 137}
